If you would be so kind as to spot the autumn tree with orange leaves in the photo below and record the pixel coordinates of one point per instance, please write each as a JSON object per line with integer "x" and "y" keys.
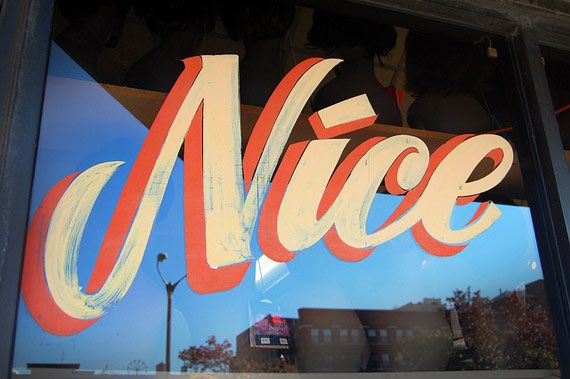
{"x": 211, "y": 357}
{"x": 514, "y": 333}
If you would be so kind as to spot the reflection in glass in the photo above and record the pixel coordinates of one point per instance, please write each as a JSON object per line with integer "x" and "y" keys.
{"x": 446, "y": 78}
{"x": 327, "y": 335}
{"x": 400, "y": 309}
{"x": 357, "y": 43}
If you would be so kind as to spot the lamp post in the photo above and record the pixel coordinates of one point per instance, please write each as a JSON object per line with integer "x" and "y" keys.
{"x": 170, "y": 287}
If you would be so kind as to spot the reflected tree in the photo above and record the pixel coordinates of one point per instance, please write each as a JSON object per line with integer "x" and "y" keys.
{"x": 479, "y": 327}
{"x": 508, "y": 332}
{"x": 210, "y": 357}
{"x": 214, "y": 356}
{"x": 527, "y": 335}
{"x": 426, "y": 350}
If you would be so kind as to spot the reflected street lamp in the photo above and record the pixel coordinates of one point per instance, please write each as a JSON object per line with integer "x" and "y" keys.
{"x": 161, "y": 257}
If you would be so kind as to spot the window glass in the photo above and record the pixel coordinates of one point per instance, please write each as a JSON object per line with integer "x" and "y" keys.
{"x": 371, "y": 335}
{"x": 327, "y": 335}
{"x": 233, "y": 182}
{"x": 383, "y": 336}
{"x": 399, "y": 335}
{"x": 385, "y": 359}
{"x": 343, "y": 334}
{"x": 315, "y": 336}
{"x": 355, "y": 333}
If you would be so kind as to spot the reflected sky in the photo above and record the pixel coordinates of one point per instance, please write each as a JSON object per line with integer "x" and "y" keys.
{"x": 83, "y": 125}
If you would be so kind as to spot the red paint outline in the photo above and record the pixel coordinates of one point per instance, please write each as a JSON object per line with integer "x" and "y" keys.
{"x": 37, "y": 296}
{"x": 133, "y": 190}
{"x": 267, "y": 235}
{"x": 201, "y": 277}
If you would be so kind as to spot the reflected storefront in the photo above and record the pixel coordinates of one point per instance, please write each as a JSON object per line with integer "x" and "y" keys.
{"x": 291, "y": 188}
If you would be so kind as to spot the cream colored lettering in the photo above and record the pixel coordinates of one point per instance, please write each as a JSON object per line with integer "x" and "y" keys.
{"x": 225, "y": 194}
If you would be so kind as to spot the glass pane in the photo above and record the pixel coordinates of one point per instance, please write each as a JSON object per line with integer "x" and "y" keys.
{"x": 265, "y": 207}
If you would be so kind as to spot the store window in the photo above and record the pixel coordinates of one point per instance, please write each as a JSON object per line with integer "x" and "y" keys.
{"x": 230, "y": 182}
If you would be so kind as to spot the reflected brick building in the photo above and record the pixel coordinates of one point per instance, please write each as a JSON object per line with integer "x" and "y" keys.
{"x": 362, "y": 340}
{"x": 416, "y": 336}
{"x": 338, "y": 340}
{"x": 262, "y": 347}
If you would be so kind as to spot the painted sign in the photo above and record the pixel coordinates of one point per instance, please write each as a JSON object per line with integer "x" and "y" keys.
{"x": 270, "y": 331}
{"x": 307, "y": 196}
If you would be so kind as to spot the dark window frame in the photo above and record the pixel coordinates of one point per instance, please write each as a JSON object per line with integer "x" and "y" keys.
{"x": 25, "y": 27}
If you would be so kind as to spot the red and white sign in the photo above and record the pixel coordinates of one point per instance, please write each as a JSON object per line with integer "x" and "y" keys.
{"x": 312, "y": 195}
